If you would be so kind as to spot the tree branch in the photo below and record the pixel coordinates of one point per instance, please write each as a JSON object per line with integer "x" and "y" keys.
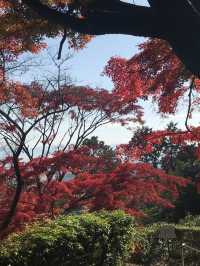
{"x": 176, "y": 21}
{"x": 62, "y": 42}
{"x": 189, "y": 104}
{"x": 16, "y": 198}
{"x": 132, "y": 20}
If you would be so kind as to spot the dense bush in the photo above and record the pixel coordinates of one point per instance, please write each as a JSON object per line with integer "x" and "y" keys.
{"x": 97, "y": 239}
{"x": 149, "y": 249}
{"x": 190, "y": 220}
{"x": 88, "y": 239}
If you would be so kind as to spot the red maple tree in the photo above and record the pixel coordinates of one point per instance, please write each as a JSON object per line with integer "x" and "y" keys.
{"x": 35, "y": 188}
{"x": 156, "y": 74}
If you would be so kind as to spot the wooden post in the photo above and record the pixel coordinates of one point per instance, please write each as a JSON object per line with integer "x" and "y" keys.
{"x": 182, "y": 254}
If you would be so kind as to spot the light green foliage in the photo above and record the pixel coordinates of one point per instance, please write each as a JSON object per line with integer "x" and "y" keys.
{"x": 190, "y": 221}
{"x": 88, "y": 239}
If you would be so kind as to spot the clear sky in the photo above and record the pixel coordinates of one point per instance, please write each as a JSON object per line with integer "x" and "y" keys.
{"x": 86, "y": 67}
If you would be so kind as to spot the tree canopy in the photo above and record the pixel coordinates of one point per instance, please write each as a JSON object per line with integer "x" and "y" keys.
{"x": 174, "y": 21}
{"x": 35, "y": 185}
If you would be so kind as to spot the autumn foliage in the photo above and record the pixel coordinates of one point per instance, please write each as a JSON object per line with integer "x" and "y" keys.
{"x": 33, "y": 180}
{"x": 156, "y": 74}
{"x": 123, "y": 188}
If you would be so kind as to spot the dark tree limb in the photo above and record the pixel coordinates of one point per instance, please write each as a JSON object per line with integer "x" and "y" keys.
{"x": 191, "y": 87}
{"x": 7, "y": 220}
{"x": 132, "y": 20}
{"x": 15, "y": 155}
{"x": 12, "y": 210}
{"x": 176, "y": 21}
{"x": 62, "y": 43}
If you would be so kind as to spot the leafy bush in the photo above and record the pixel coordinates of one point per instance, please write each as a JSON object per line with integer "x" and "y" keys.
{"x": 190, "y": 220}
{"x": 88, "y": 239}
{"x": 149, "y": 249}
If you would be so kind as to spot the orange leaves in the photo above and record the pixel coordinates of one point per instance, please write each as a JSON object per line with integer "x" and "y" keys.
{"x": 129, "y": 186}
{"x": 4, "y": 91}
{"x": 155, "y": 71}
{"x": 118, "y": 70}
{"x": 21, "y": 25}
{"x": 80, "y": 42}
{"x": 12, "y": 46}
{"x": 4, "y": 4}
{"x": 157, "y": 74}
{"x": 36, "y": 48}
{"x": 24, "y": 99}
{"x": 111, "y": 104}
{"x": 15, "y": 93}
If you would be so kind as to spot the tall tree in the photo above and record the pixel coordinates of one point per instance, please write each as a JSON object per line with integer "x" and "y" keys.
{"x": 179, "y": 158}
{"x": 107, "y": 159}
{"x": 51, "y": 116}
{"x": 156, "y": 74}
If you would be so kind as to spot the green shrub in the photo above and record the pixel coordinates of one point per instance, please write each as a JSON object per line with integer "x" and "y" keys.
{"x": 151, "y": 250}
{"x": 190, "y": 220}
{"x": 88, "y": 239}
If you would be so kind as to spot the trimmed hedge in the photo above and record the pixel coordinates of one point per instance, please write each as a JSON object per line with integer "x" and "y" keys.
{"x": 103, "y": 238}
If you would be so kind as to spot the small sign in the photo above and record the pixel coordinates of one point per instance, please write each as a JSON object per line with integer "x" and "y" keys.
{"x": 167, "y": 232}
